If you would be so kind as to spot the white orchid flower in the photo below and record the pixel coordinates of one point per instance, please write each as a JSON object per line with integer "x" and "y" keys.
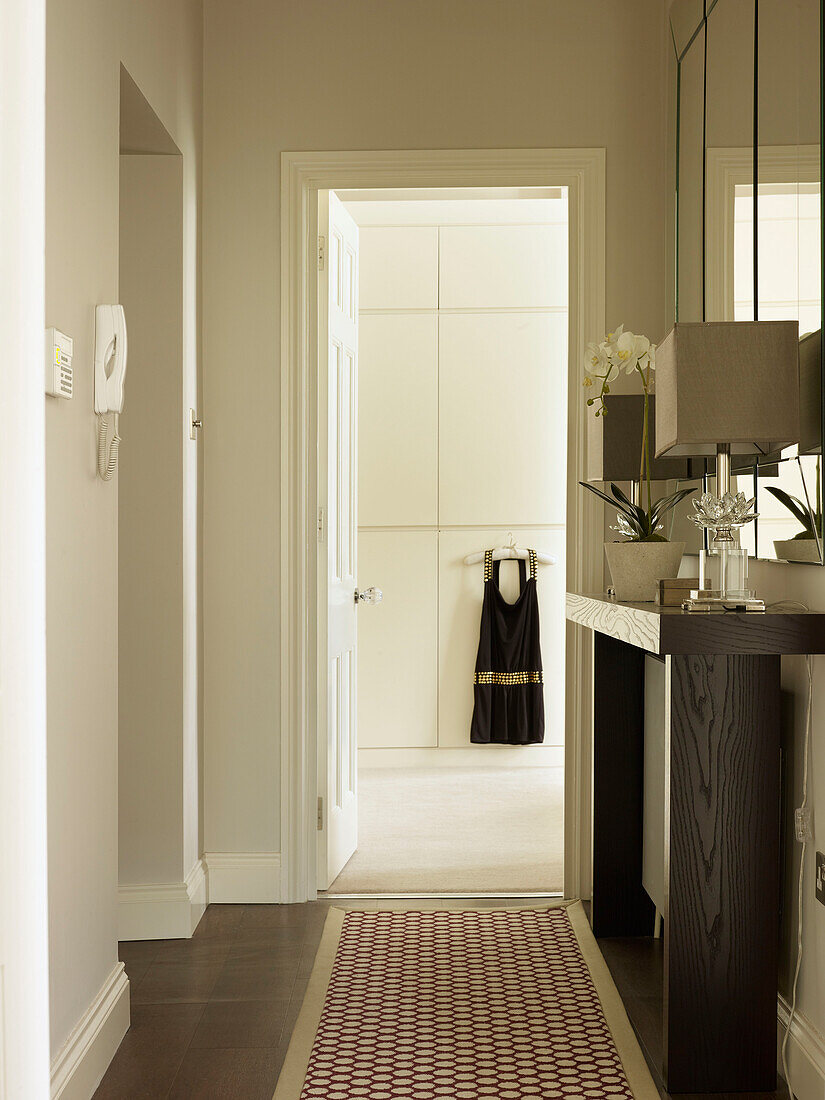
{"x": 619, "y": 351}
{"x": 628, "y": 350}
{"x": 641, "y": 346}
{"x": 595, "y": 358}
{"x": 644, "y": 351}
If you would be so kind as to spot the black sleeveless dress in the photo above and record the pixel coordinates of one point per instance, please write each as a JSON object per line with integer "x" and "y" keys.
{"x": 509, "y": 682}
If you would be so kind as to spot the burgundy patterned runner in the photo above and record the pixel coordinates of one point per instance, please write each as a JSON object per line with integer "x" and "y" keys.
{"x": 462, "y": 1006}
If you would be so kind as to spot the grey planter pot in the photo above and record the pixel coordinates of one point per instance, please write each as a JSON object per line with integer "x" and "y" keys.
{"x": 637, "y": 567}
{"x": 796, "y": 549}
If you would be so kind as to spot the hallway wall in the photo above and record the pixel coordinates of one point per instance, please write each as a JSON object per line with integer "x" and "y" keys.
{"x": 150, "y": 481}
{"x": 159, "y": 42}
{"x": 372, "y": 75}
{"x": 24, "y": 1032}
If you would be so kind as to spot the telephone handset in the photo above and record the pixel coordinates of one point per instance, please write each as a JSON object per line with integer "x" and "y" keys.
{"x": 110, "y": 372}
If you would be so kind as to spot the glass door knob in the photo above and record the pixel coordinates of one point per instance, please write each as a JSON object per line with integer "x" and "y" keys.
{"x": 369, "y": 595}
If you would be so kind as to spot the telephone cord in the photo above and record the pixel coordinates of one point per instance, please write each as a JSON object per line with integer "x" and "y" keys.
{"x": 107, "y": 455}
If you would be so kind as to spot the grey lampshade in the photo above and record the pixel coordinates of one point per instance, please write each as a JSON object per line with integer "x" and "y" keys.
{"x": 614, "y": 442}
{"x": 810, "y": 393}
{"x": 729, "y": 382}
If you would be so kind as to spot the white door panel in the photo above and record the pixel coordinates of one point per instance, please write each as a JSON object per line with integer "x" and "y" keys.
{"x": 398, "y": 420}
{"x": 398, "y": 646}
{"x": 338, "y": 497}
{"x": 400, "y": 268}
{"x": 461, "y": 589}
{"x": 503, "y": 266}
{"x": 503, "y": 418}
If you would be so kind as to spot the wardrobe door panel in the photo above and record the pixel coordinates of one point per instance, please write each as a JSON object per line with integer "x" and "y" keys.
{"x": 398, "y": 640}
{"x": 399, "y": 267}
{"x": 503, "y": 418}
{"x": 398, "y": 420}
{"x": 503, "y": 266}
{"x": 461, "y": 588}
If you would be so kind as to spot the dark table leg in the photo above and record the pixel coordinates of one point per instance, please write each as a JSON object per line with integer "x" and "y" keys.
{"x": 620, "y": 907}
{"x": 722, "y": 920}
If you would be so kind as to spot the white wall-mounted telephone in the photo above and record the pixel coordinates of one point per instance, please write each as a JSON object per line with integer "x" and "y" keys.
{"x": 110, "y": 372}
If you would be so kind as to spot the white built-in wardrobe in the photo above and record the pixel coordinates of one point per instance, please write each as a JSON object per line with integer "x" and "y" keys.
{"x": 462, "y": 440}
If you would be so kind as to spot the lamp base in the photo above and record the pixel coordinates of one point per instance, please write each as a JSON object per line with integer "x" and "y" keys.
{"x": 711, "y": 601}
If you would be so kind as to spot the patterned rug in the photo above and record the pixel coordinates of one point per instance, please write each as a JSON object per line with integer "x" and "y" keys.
{"x": 462, "y": 1005}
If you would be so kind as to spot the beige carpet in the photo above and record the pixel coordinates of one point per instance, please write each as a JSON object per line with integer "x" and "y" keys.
{"x": 457, "y": 830}
{"x": 480, "y": 1004}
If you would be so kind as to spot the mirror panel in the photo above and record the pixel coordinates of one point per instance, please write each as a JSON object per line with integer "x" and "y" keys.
{"x": 685, "y": 18}
{"x": 729, "y": 161}
{"x": 748, "y": 239}
{"x": 680, "y": 527}
{"x": 789, "y": 251}
{"x": 690, "y": 183}
{"x": 745, "y": 482}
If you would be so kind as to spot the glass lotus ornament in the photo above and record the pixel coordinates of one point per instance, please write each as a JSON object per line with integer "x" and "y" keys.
{"x": 722, "y": 515}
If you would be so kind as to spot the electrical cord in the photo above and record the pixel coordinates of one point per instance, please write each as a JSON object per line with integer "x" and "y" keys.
{"x": 803, "y": 807}
{"x": 107, "y": 452}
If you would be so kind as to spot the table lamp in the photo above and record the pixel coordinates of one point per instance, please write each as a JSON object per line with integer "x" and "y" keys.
{"x": 726, "y": 388}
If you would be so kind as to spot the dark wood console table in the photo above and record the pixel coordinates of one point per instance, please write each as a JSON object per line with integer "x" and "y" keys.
{"x": 722, "y": 823}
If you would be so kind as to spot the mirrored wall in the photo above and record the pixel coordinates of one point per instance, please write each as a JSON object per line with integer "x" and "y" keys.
{"x": 746, "y": 135}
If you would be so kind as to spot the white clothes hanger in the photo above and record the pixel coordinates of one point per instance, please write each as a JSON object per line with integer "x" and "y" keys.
{"x": 511, "y": 551}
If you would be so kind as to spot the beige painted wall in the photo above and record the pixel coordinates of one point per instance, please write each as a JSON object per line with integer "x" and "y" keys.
{"x": 159, "y": 41}
{"x": 150, "y": 531}
{"x": 372, "y": 75}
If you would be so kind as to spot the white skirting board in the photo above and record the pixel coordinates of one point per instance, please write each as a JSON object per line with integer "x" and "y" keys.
{"x": 472, "y": 756}
{"x": 163, "y": 911}
{"x": 806, "y": 1054}
{"x": 244, "y": 877}
{"x": 79, "y": 1067}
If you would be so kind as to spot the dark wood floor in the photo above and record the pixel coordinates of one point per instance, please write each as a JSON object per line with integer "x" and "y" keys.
{"x": 212, "y": 1016}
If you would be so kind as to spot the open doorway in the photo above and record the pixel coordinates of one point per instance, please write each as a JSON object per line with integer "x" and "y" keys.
{"x": 304, "y": 727}
{"x": 444, "y": 395}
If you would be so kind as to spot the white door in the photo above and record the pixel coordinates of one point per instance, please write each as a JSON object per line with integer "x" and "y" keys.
{"x": 338, "y": 529}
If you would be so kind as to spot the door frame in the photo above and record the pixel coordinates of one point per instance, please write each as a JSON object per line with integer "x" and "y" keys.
{"x": 303, "y": 175}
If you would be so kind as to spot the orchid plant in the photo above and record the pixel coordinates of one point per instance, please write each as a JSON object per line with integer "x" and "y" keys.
{"x": 604, "y": 362}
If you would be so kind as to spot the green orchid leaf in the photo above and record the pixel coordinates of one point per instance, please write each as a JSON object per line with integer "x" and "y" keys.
{"x": 640, "y": 513}
{"x": 608, "y": 500}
